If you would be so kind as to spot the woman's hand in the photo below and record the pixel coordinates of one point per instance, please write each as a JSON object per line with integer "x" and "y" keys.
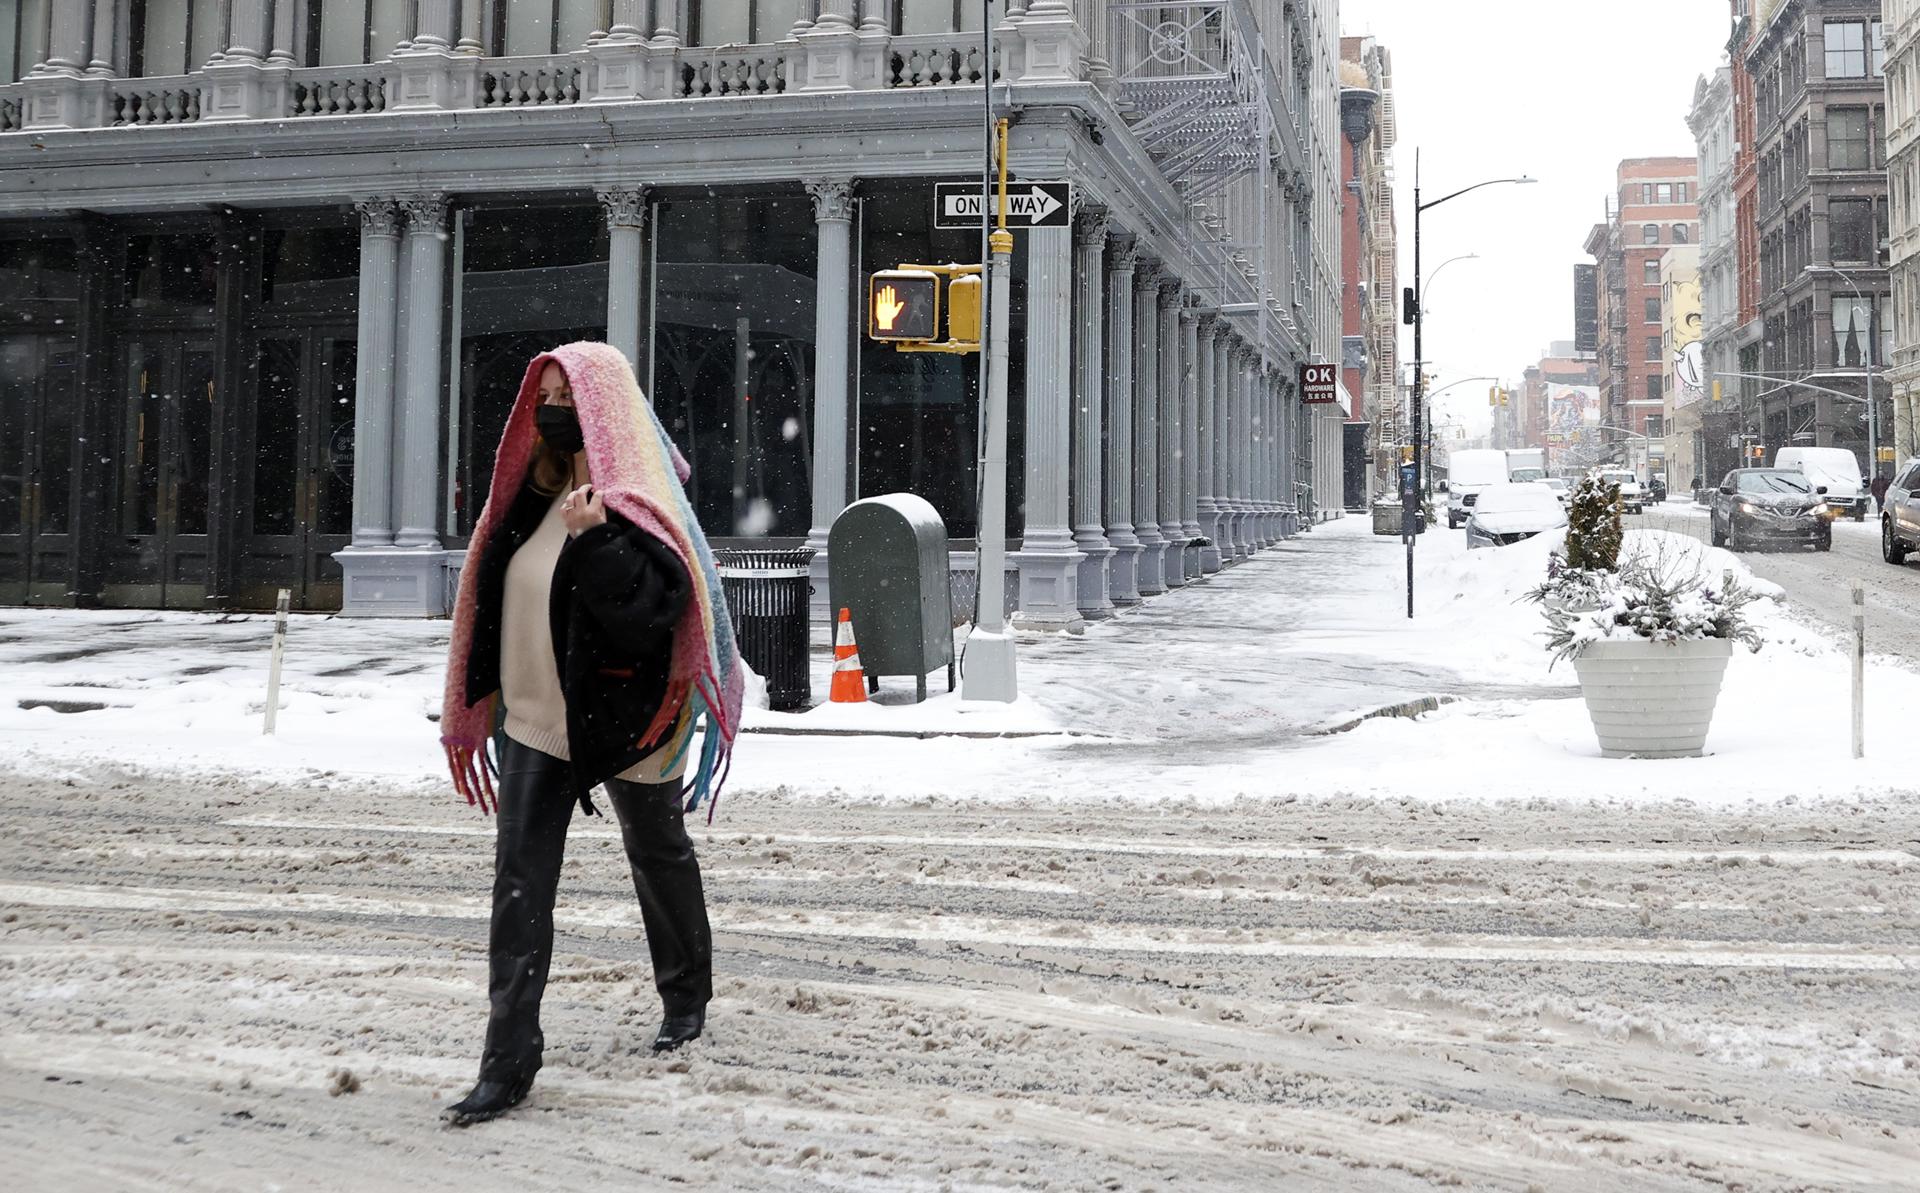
{"x": 582, "y": 510}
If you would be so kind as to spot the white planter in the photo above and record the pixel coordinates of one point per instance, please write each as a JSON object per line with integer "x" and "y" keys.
{"x": 1652, "y": 699}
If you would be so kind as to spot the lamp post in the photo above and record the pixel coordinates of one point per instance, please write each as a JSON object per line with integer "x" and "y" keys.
{"x": 1427, "y": 286}
{"x": 1871, "y": 363}
{"x": 1410, "y": 502}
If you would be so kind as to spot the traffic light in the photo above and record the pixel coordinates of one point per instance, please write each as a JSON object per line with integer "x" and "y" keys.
{"x": 904, "y": 304}
{"x": 1716, "y": 391}
{"x": 1493, "y": 395}
{"x": 1409, "y": 306}
{"x": 1505, "y": 394}
{"x": 963, "y": 308}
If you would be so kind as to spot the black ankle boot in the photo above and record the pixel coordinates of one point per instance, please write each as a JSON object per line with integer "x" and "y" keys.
{"x": 676, "y": 1030}
{"x": 490, "y": 1099}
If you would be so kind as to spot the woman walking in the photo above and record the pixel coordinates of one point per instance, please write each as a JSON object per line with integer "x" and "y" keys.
{"x": 590, "y": 627}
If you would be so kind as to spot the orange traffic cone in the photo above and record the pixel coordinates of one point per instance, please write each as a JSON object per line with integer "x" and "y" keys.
{"x": 849, "y": 682}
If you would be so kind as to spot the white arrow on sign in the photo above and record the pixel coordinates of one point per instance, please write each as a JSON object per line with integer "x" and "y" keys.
{"x": 1035, "y": 204}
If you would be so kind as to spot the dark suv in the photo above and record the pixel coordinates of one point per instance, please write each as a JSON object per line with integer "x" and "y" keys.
{"x": 1900, "y": 515}
{"x": 1756, "y": 505}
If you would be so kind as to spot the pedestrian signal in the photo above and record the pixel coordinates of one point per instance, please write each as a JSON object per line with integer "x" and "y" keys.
{"x": 903, "y": 304}
{"x": 963, "y": 308}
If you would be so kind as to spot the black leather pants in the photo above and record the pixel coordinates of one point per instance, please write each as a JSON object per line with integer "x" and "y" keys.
{"x": 534, "y": 809}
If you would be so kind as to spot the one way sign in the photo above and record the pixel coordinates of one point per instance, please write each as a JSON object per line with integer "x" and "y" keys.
{"x": 1029, "y": 205}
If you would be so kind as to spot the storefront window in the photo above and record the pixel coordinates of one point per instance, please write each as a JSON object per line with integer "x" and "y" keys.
{"x": 528, "y": 279}
{"x": 172, "y": 274}
{"x": 316, "y": 269}
{"x": 733, "y": 330}
{"x": 42, "y": 271}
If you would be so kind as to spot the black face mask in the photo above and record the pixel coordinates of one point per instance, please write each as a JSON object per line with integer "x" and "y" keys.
{"x": 560, "y": 426}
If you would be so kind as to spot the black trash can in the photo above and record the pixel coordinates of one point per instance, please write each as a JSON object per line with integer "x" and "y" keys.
{"x": 767, "y": 599}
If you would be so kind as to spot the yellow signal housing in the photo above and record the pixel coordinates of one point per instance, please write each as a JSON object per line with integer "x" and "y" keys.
{"x": 963, "y": 308}
{"x": 1493, "y": 395}
{"x": 1716, "y": 391}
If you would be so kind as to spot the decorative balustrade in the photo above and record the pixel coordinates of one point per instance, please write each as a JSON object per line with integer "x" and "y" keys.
{"x": 336, "y": 91}
{"x": 731, "y": 70}
{"x": 530, "y": 82}
{"x": 938, "y": 60}
{"x": 171, "y": 100}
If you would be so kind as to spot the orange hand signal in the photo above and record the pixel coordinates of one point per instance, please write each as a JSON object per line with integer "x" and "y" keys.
{"x": 887, "y": 307}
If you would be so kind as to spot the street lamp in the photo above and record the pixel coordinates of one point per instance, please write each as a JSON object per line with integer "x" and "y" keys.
{"x": 1872, "y": 358}
{"x": 1434, "y": 276}
{"x": 1410, "y": 497}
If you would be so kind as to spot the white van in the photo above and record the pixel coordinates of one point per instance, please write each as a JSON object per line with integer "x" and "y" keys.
{"x": 1468, "y": 472}
{"x": 1834, "y": 467}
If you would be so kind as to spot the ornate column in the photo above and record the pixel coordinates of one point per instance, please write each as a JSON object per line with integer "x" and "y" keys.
{"x": 104, "y": 14}
{"x": 1250, "y": 454}
{"x": 1277, "y": 455}
{"x": 1089, "y": 350}
{"x": 626, "y": 228}
{"x": 1171, "y": 375}
{"x": 471, "y": 16}
{"x": 629, "y": 20}
{"x": 282, "y": 54}
{"x": 832, "y": 330}
{"x": 620, "y": 58}
{"x": 1146, "y": 429}
{"x": 373, "y": 373}
{"x": 1190, "y": 385}
{"x": 1049, "y": 564}
{"x": 1267, "y": 464}
{"x": 1207, "y": 423}
{"x": 421, "y": 393}
{"x": 1124, "y": 574}
{"x": 1227, "y": 445}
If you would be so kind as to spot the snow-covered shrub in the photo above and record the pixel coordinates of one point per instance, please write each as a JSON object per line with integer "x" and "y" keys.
{"x": 1571, "y": 587}
{"x": 1593, "y": 526}
{"x": 1659, "y": 596}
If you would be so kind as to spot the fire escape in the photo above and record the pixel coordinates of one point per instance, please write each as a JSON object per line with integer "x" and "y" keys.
{"x": 1201, "y": 96}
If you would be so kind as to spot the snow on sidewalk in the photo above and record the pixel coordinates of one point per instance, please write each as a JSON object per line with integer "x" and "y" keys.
{"x": 1215, "y": 691}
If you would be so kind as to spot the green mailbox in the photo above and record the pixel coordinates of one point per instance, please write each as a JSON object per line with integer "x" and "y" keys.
{"x": 887, "y": 563}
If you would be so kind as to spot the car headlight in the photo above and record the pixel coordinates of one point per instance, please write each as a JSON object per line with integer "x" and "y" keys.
{"x": 1746, "y": 507}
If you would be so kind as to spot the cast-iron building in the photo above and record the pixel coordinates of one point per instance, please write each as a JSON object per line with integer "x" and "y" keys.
{"x": 273, "y": 269}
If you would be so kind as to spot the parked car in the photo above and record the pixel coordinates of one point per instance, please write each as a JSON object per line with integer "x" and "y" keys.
{"x": 1756, "y": 505}
{"x": 1507, "y": 513}
{"x": 1561, "y": 487}
{"x": 1834, "y": 467}
{"x": 1630, "y": 495}
{"x": 1900, "y": 514}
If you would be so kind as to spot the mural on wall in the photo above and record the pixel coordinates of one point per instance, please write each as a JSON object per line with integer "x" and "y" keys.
{"x": 1573, "y": 413}
{"x": 1690, "y": 380}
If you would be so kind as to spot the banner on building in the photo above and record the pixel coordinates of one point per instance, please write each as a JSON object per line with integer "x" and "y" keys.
{"x": 1586, "y": 310}
{"x": 1573, "y": 415}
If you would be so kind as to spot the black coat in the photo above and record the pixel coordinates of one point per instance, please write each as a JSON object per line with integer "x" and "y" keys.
{"x": 617, "y": 595}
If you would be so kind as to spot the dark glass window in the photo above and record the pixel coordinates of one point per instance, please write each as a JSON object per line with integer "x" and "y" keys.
{"x": 317, "y": 269}
{"x": 276, "y": 436}
{"x": 1650, "y": 234}
{"x": 1650, "y": 272}
{"x": 532, "y": 278}
{"x": 1679, "y": 234}
{"x": 1850, "y": 229}
{"x": 1653, "y": 310}
{"x": 172, "y": 274}
{"x": 38, "y": 269}
{"x": 1848, "y": 139}
{"x": 733, "y": 353}
{"x": 1653, "y": 348}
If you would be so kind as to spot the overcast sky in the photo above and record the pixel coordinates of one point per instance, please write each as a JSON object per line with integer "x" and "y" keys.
{"x": 1555, "y": 90}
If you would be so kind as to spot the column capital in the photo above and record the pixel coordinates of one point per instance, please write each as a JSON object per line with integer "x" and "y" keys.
{"x": 1089, "y": 223}
{"x": 1123, "y": 251}
{"x": 1147, "y": 272}
{"x": 832, "y": 198}
{"x": 626, "y": 207}
{"x": 379, "y": 216}
{"x": 1170, "y": 287}
{"x": 425, "y": 213}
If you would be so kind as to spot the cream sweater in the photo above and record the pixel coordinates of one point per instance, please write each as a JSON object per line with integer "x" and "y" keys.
{"x": 529, "y": 677}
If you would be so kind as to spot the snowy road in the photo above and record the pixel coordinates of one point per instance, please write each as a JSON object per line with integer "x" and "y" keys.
{"x": 1820, "y": 583}
{"x": 244, "y": 985}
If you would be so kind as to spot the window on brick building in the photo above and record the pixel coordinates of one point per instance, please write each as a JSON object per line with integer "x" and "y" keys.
{"x": 1850, "y": 230}
{"x": 1877, "y": 43}
{"x": 1663, "y": 192}
{"x": 1650, "y": 272}
{"x": 1846, "y": 50}
{"x": 1646, "y": 192}
{"x": 1653, "y": 310}
{"x": 1650, "y": 234}
{"x": 1849, "y": 141}
{"x": 1653, "y": 388}
{"x": 1656, "y": 426}
{"x": 1680, "y": 192}
{"x": 1653, "y": 348}
{"x": 1679, "y": 234}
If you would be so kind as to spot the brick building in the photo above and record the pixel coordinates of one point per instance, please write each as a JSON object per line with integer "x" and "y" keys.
{"x": 1369, "y": 278}
{"x": 1652, "y": 208}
